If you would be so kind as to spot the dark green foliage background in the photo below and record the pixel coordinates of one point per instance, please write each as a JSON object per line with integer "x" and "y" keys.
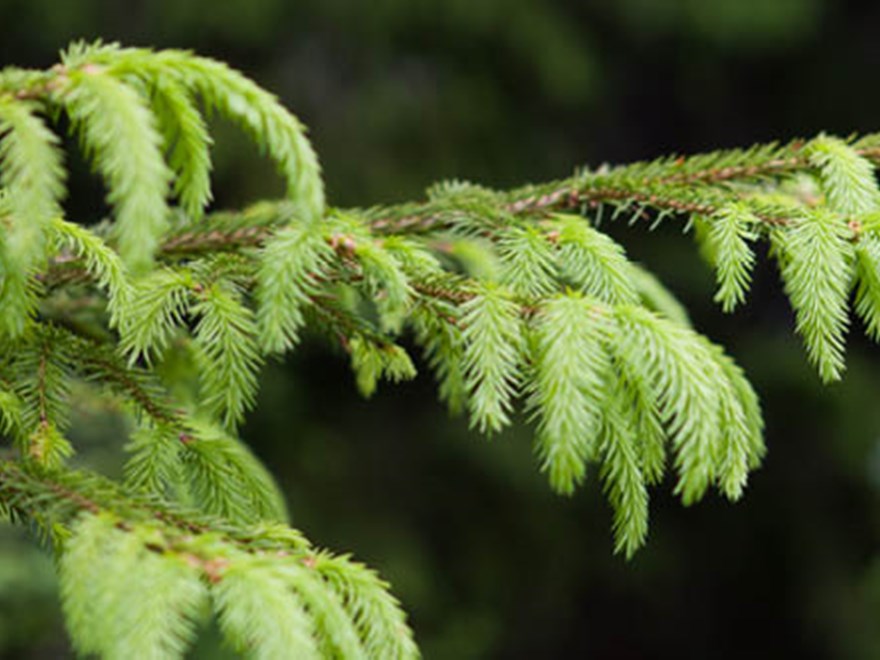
{"x": 401, "y": 93}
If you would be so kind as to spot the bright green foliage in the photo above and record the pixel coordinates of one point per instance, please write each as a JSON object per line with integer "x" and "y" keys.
{"x": 847, "y": 179}
{"x": 10, "y": 413}
{"x": 32, "y": 178}
{"x": 154, "y": 465}
{"x": 730, "y": 231}
{"x": 227, "y": 91}
{"x": 229, "y": 359}
{"x": 159, "y": 302}
{"x": 334, "y": 628}
{"x": 685, "y": 380}
{"x": 816, "y": 267}
{"x": 742, "y": 447}
{"x": 46, "y": 446}
{"x": 516, "y": 300}
{"x": 260, "y": 615}
{"x": 594, "y": 262}
{"x": 492, "y": 354}
{"x": 138, "y": 578}
{"x": 210, "y": 469}
{"x": 132, "y": 109}
{"x": 186, "y": 142}
{"x": 155, "y": 616}
{"x": 385, "y": 282}
{"x": 567, "y": 391}
{"x": 633, "y": 394}
{"x": 274, "y": 129}
{"x": 291, "y": 258}
{"x": 438, "y": 332}
{"x": 100, "y": 261}
{"x": 222, "y": 477}
{"x": 867, "y": 302}
{"x": 372, "y": 361}
{"x": 622, "y": 474}
{"x": 414, "y": 259}
{"x": 375, "y": 612}
{"x": 528, "y": 261}
{"x": 118, "y": 132}
{"x": 42, "y": 363}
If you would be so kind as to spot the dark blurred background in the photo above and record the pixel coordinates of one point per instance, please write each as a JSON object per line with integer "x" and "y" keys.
{"x": 490, "y": 564}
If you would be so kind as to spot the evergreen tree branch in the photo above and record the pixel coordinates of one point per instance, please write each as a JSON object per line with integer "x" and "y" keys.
{"x": 178, "y": 564}
{"x": 516, "y": 298}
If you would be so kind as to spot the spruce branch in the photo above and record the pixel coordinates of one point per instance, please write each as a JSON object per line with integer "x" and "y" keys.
{"x": 727, "y": 243}
{"x": 254, "y": 578}
{"x": 815, "y": 258}
{"x": 571, "y": 377}
{"x": 493, "y": 338}
{"x": 32, "y": 178}
{"x": 867, "y": 298}
{"x": 516, "y": 298}
{"x": 119, "y": 133}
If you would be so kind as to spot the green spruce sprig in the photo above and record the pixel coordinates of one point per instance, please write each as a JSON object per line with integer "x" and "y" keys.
{"x": 518, "y": 301}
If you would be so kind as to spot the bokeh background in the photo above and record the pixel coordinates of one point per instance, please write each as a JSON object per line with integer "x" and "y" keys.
{"x": 401, "y": 93}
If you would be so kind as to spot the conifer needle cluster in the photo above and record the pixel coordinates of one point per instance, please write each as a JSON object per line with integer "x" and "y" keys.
{"x": 516, "y": 300}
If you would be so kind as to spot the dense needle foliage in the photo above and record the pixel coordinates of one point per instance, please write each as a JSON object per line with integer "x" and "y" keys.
{"x": 519, "y": 302}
